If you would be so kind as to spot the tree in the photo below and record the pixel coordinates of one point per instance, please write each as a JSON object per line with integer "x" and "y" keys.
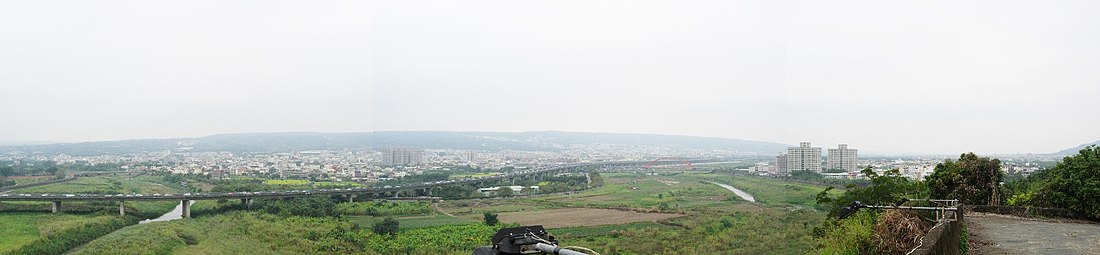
{"x": 886, "y": 188}
{"x": 6, "y": 171}
{"x": 491, "y": 219}
{"x": 972, "y": 180}
{"x": 505, "y": 191}
{"x": 387, "y": 226}
{"x": 312, "y": 206}
{"x": 1074, "y": 183}
{"x": 597, "y": 179}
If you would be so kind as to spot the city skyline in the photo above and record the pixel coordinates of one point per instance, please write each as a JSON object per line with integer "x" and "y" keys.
{"x": 992, "y": 77}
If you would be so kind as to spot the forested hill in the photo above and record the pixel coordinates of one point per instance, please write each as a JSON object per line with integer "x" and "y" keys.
{"x": 1074, "y": 150}
{"x": 490, "y": 141}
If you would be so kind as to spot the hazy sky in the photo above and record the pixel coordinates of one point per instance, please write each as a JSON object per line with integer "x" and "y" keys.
{"x": 896, "y": 76}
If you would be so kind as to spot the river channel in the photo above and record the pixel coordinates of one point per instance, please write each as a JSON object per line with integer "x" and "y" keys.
{"x": 175, "y": 214}
{"x": 744, "y": 195}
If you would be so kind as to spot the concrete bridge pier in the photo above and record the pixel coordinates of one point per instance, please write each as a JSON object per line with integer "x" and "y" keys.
{"x": 351, "y": 198}
{"x": 121, "y": 208}
{"x": 246, "y": 202}
{"x": 186, "y": 208}
{"x": 56, "y": 208}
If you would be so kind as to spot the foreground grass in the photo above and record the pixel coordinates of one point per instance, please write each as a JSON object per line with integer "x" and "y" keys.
{"x": 413, "y": 222}
{"x": 230, "y": 233}
{"x": 774, "y": 231}
{"x": 260, "y": 233}
{"x": 29, "y": 228}
{"x": 18, "y": 229}
{"x": 46, "y": 233}
{"x": 716, "y": 223}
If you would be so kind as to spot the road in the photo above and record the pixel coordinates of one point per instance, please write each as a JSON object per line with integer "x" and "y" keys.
{"x": 998, "y": 234}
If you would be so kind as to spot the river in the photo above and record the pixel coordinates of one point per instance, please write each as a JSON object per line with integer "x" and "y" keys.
{"x": 175, "y": 214}
{"x": 744, "y": 195}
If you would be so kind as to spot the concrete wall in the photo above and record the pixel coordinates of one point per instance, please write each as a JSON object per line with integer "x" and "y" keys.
{"x": 943, "y": 238}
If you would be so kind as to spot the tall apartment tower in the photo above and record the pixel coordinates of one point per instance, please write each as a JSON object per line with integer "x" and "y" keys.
{"x": 401, "y": 156}
{"x": 804, "y": 158}
{"x": 842, "y": 158}
{"x": 781, "y": 163}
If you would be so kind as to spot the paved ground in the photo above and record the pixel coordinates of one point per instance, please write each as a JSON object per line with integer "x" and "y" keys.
{"x": 998, "y": 234}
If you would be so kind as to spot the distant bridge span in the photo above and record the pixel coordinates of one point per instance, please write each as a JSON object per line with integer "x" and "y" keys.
{"x": 351, "y": 193}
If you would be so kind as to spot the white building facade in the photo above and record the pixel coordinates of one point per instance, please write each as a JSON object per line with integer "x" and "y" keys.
{"x": 842, "y": 158}
{"x": 804, "y": 158}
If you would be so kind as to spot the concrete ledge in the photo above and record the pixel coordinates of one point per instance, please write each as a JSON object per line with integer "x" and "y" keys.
{"x": 944, "y": 238}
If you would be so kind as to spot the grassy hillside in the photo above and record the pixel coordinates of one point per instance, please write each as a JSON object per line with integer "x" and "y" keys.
{"x": 713, "y": 221}
{"x": 29, "y": 228}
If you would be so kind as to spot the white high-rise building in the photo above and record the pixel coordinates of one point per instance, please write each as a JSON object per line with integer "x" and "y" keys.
{"x": 804, "y": 158}
{"x": 401, "y": 156}
{"x": 842, "y": 158}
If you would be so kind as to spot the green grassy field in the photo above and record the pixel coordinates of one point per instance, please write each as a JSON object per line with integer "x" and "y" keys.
{"x": 17, "y": 229}
{"x": 715, "y": 222}
{"x": 22, "y": 181}
{"x": 603, "y": 230}
{"x": 286, "y": 182}
{"x": 777, "y": 193}
{"x": 22, "y": 228}
{"x": 229, "y": 233}
{"x": 666, "y": 193}
{"x": 104, "y": 185}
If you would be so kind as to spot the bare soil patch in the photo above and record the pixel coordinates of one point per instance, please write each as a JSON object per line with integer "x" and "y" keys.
{"x": 668, "y": 182}
{"x": 573, "y": 217}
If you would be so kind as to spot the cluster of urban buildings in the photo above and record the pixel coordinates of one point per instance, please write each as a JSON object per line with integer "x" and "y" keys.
{"x": 808, "y": 158}
{"x": 368, "y": 165}
{"x": 843, "y": 162}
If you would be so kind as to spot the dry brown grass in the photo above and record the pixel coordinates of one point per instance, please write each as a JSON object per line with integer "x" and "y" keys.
{"x": 899, "y": 231}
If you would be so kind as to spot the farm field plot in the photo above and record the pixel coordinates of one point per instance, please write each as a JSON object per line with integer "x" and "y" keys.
{"x": 571, "y": 217}
{"x": 286, "y": 182}
{"x": 643, "y": 192}
{"x": 103, "y": 185}
{"x": 473, "y": 209}
{"x": 600, "y": 230}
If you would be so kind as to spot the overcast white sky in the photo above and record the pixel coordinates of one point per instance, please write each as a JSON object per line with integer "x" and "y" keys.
{"x": 897, "y": 76}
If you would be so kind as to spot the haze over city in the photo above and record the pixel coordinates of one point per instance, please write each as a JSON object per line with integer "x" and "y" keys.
{"x": 930, "y": 77}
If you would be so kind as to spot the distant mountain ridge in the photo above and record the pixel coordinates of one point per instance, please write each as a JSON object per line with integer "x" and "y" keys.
{"x": 491, "y": 141}
{"x": 1075, "y": 150}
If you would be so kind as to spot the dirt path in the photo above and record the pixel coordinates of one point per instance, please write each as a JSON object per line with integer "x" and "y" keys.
{"x": 440, "y": 210}
{"x": 998, "y": 234}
